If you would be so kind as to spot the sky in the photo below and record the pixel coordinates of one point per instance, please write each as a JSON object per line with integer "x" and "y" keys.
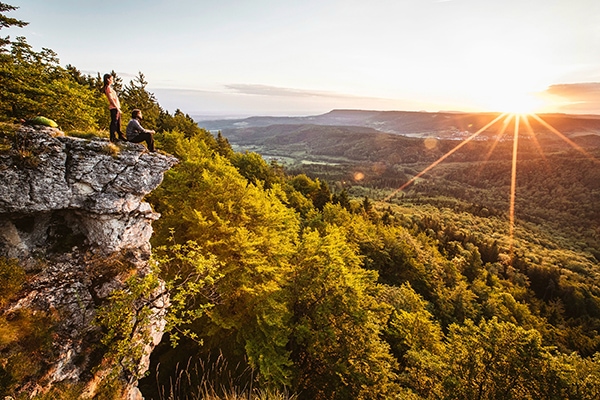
{"x": 304, "y": 57}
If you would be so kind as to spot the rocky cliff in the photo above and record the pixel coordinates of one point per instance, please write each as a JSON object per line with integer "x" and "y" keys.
{"x": 74, "y": 231}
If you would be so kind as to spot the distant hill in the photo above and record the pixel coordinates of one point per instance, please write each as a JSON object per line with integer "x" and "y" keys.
{"x": 398, "y": 137}
{"x": 327, "y": 143}
{"x": 420, "y": 124}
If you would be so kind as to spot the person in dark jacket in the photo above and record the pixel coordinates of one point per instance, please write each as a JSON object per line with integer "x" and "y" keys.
{"x": 136, "y": 133}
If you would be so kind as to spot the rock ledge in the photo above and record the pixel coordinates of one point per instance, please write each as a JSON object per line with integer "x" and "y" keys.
{"x": 70, "y": 210}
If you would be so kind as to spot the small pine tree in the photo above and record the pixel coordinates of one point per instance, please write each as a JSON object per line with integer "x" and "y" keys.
{"x": 7, "y": 22}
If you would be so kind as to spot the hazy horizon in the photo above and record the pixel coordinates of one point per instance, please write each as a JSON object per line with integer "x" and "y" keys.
{"x": 226, "y": 116}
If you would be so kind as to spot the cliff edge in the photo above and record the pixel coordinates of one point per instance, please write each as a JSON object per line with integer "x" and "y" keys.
{"x": 74, "y": 230}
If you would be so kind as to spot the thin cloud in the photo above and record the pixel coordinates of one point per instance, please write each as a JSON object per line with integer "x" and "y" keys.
{"x": 267, "y": 90}
{"x": 582, "y": 91}
{"x": 578, "y": 97}
{"x": 255, "y": 99}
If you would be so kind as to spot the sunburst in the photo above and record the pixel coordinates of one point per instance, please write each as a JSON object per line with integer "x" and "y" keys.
{"x": 505, "y": 119}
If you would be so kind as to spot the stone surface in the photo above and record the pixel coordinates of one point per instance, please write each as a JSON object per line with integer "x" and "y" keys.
{"x": 69, "y": 206}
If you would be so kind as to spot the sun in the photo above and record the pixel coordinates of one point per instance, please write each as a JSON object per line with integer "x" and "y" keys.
{"x": 514, "y": 103}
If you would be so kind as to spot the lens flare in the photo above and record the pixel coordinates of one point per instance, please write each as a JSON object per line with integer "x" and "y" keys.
{"x": 359, "y": 176}
{"x": 430, "y": 143}
{"x": 442, "y": 158}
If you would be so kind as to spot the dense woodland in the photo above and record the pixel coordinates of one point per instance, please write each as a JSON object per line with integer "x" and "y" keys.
{"x": 287, "y": 285}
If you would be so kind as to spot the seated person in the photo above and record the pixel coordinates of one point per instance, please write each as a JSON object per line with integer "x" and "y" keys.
{"x": 136, "y": 133}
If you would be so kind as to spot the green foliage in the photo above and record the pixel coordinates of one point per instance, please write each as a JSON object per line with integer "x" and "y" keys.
{"x": 251, "y": 234}
{"x": 315, "y": 190}
{"x": 579, "y": 377}
{"x": 72, "y": 105}
{"x": 134, "y": 96}
{"x": 337, "y": 322}
{"x": 180, "y": 122}
{"x": 244, "y": 228}
{"x": 191, "y": 278}
{"x": 25, "y": 335}
{"x": 493, "y": 360}
{"x": 6, "y": 22}
{"x": 411, "y": 326}
{"x": 556, "y": 192}
{"x": 124, "y": 320}
{"x": 223, "y": 146}
{"x": 62, "y": 390}
{"x": 499, "y": 360}
{"x": 290, "y": 282}
{"x": 255, "y": 169}
{"x": 35, "y": 84}
{"x": 342, "y": 199}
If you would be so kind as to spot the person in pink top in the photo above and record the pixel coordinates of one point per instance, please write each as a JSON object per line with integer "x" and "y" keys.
{"x": 114, "y": 107}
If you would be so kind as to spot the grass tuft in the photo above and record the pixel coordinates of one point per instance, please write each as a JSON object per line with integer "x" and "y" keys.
{"x": 215, "y": 380}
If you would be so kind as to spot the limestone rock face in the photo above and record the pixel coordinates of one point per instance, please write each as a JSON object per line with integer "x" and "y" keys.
{"x": 72, "y": 213}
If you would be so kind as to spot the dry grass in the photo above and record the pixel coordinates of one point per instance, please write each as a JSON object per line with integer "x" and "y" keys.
{"x": 216, "y": 381}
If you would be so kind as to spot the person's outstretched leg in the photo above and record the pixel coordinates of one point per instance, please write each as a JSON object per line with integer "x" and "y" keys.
{"x": 145, "y": 137}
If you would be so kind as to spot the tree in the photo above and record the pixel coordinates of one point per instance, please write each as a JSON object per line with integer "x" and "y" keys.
{"x": 254, "y": 168}
{"x": 411, "y": 326}
{"x": 304, "y": 185}
{"x": 136, "y": 96}
{"x": 7, "y": 22}
{"x": 492, "y": 360}
{"x": 250, "y": 233}
{"x": 223, "y": 146}
{"x": 315, "y": 190}
{"x": 180, "y": 122}
{"x": 579, "y": 378}
{"x": 342, "y": 199}
{"x": 367, "y": 205}
{"x": 35, "y": 84}
{"x": 322, "y": 195}
{"x": 337, "y": 323}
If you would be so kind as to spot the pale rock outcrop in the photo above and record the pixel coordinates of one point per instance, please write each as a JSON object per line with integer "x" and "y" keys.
{"x": 70, "y": 210}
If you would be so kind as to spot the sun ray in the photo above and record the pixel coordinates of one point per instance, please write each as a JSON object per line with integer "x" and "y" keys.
{"x": 513, "y": 189}
{"x": 536, "y": 142}
{"x": 498, "y": 138}
{"x": 442, "y": 158}
{"x": 513, "y": 182}
{"x": 534, "y": 137}
{"x": 566, "y": 139}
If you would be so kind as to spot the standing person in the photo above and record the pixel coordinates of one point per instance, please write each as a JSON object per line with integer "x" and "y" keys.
{"x": 136, "y": 133}
{"x": 114, "y": 107}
